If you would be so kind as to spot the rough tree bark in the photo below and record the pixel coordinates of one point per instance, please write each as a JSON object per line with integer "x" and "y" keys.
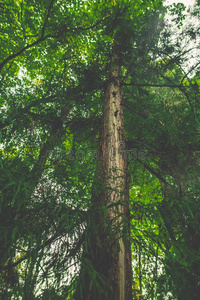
{"x": 106, "y": 247}
{"x": 114, "y": 175}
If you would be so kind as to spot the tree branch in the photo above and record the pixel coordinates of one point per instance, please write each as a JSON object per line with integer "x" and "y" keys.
{"x": 135, "y": 112}
{"x": 43, "y": 38}
{"x": 155, "y": 85}
{"x": 154, "y": 172}
{"x": 24, "y": 257}
{"x": 14, "y": 55}
{"x": 182, "y": 90}
{"x": 186, "y": 75}
{"x": 47, "y": 17}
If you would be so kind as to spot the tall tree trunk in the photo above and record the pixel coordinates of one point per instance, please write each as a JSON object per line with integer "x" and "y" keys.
{"x": 114, "y": 174}
{"x": 107, "y": 246}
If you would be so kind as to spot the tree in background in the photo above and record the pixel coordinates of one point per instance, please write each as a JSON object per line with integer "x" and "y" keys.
{"x": 99, "y": 136}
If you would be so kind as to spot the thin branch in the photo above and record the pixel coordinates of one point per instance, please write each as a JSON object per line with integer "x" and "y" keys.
{"x": 176, "y": 57}
{"x": 186, "y": 75}
{"x": 135, "y": 141}
{"x": 49, "y": 212}
{"x": 92, "y": 26}
{"x": 133, "y": 111}
{"x": 30, "y": 35}
{"x": 14, "y": 55}
{"x": 47, "y": 17}
{"x": 28, "y": 254}
{"x": 156, "y": 85}
{"x": 65, "y": 28}
{"x": 182, "y": 90}
{"x": 43, "y": 38}
{"x": 154, "y": 172}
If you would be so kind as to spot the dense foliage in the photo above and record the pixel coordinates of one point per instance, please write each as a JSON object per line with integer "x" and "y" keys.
{"x": 54, "y": 61}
